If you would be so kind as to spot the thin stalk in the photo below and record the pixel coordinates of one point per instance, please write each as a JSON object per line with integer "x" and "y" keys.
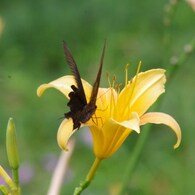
{"x": 89, "y": 177}
{"x": 15, "y": 175}
{"x": 134, "y": 158}
{"x": 8, "y": 180}
{"x": 4, "y": 190}
{"x": 61, "y": 170}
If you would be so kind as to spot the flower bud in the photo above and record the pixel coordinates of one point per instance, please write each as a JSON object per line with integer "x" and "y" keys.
{"x": 11, "y": 145}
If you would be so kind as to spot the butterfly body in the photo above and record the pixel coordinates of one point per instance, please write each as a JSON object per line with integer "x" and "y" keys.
{"x": 81, "y": 113}
{"x": 81, "y": 110}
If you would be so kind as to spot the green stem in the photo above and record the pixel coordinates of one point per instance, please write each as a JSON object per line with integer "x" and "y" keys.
{"x": 15, "y": 176}
{"x": 134, "y": 158}
{"x": 169, "y": 12}
{"x": 4, "y": 190}
{"x": 173, "y": 67}
{"x": 7, "y": 179}
{"x": 89, "y": 178}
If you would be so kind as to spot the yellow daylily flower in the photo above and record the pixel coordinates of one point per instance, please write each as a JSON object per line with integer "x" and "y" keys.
{"x": 118, "y": 113}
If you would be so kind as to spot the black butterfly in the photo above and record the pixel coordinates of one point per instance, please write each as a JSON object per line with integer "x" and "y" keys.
{"x": 81, "y": 110}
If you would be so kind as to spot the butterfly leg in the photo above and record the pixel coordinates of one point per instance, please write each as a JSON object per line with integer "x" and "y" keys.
{"x": 95, "y": 120}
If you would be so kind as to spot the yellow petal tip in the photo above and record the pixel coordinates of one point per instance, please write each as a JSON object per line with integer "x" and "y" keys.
{"x": 162, "y": 118}
{"x": 177, "y": 144}
{"x": 64, "y": 148}
{"x": 64, "y": 133}
{"x": 41, "y": 89}
{"x": 138, "y": 131}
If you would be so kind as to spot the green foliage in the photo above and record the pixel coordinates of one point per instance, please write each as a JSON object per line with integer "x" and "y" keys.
{"x": 31, "y": 53}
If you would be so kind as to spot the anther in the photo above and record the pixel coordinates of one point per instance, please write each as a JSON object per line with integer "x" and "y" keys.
{"x": 108, "y": 78}
{"x": 126, "y": 74}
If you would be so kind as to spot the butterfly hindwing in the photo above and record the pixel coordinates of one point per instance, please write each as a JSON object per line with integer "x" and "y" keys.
{"x": 75, "y": 103}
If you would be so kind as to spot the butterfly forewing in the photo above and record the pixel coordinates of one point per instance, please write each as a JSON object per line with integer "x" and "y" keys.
{"x": 72, "y": 64}
{"x": 97, "y": 81}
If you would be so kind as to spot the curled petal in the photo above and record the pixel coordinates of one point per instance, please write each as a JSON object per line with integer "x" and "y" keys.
{"x": 133, "y": 123}
{"x": 162, "y": 118}
{"x": 63, "y": 84}
{"x": 65, "y": 131}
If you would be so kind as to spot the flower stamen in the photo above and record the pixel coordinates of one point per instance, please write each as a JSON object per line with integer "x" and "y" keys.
{"x": 112, "y": 99}
{"x": 128, "y": 108}
{"x": 118, "y": 88}
{"x": 126, "y": 74}
{"x": 108, "y": 78}
{"x": 136, "y": 78}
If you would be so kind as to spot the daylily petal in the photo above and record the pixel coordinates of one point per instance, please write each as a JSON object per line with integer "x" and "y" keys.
{"x": 109, "y": 138}
{"x": 133, "y": 123}
{"x": 162, "y": 118}
{"x": 115, "y": 135}
{"x": 63, "y": 84}
{"x": 98, "y": 140}
{"x": 105, "y": 100}
{"x": 65, "y": 131}
{"x": 141, "y": 92}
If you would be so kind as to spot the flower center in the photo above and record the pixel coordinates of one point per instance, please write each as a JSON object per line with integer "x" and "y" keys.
{"x": 123, "y": 105}
{"x": 115, "y": 102}
{"x": 130, "y": 95}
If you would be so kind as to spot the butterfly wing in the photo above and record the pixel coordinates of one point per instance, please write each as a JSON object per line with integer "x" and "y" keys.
{"x": 80, "y": 111}
{"x": 76, "y": 107}
{"x": 97, "y": 81}
{"x": 72, "y": 64}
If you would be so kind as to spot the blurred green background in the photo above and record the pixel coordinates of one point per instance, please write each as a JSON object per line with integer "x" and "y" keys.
{"x": 31, "y": 53}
